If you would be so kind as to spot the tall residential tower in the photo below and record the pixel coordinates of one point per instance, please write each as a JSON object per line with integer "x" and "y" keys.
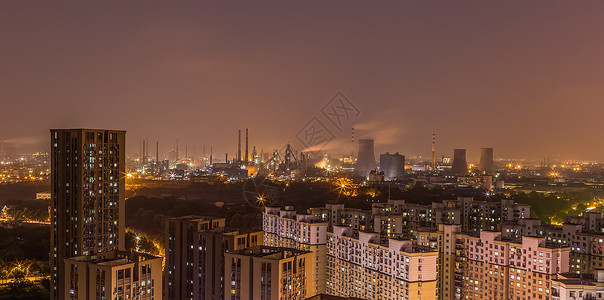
{"x": 87, "y": 205}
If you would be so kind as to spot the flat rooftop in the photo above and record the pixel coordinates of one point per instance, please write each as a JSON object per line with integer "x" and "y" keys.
{"x": 276, "y": 253}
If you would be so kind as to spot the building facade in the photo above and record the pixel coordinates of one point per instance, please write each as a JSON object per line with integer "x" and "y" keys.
{"x": 489, "y": 265}
{"x": 87, "y": 197}
{"x": 572, "y": 286}
{"x": 115, "y": 275}
{"x": 366, "y": 265}
{"x": 195, "y": 248}
{"x": 267, "y": 273}
{"x": 286, "y": 228}
{"x": 393, "y": 166}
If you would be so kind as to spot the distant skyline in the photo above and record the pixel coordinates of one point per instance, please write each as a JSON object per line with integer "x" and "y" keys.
{"x": 526, "y": 78}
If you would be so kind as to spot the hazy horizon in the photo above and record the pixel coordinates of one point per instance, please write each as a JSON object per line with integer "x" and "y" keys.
{"x": 522, "y": 77}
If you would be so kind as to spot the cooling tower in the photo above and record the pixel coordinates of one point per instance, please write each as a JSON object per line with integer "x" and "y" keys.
{"x": 486, "y": 164}
{"x": 460, "y": 166}
{"x": 393, "y": 166}
{"x": 366, "y": 158}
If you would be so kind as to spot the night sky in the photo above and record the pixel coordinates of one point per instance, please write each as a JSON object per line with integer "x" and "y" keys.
{"x": 524, "y": 77}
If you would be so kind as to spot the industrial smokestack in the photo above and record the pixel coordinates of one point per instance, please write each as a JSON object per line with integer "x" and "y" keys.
{"x": 246, "y": 157}
{"x": 486, "y": 164}
{"x": 239, "y": 147}
{"x": 460, "y": 165}
{"x": 144, "y": 156}
{"x": 365, "y": 158}
{"x": 177, "y": 150}
{"x": 433, "y": 148}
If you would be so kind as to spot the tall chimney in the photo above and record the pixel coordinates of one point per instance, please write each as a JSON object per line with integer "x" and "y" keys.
{"x": 239, "y": 147}
{"x": 140, "y": 148}
{"x": 246, "y": 157}
{"x": 143, "y": 156}
{"x": 433, "y": 148}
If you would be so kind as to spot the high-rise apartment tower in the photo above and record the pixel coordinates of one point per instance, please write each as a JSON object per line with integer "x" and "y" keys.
{"x": 87, "y": 197}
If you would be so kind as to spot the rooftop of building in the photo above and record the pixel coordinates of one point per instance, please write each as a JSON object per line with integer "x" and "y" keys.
{"x": 236, "y": 231}
{"x": 86, "y": 129}
{"x": 330, "y": 297}
{"x": 276, "y": 253}
{"x": 572, "y": 278}
{"x": 195, "y": 218}
{"x": 115, "y": 258}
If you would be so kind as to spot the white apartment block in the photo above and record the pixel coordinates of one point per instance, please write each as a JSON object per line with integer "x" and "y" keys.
{"x": 368, "y": 266}
{"x": 579, "y": 287}
{"x": 488, "y": 265}
{"x": 286, "y": 228}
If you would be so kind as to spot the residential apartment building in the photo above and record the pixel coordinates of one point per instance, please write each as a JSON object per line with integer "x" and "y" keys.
{"x": 585, "y": 286}
{"x": 115, "y": 275}
{"x": 195, "y": 248}
{"x": 286, "y": 228}
{"x": 368, "y": 266}
{"x": 265, "y": 273}
{"x": 337, "y": 215}
{"x": 87, "y": 197}
{"x": 394, "y": 220}
{"x": 489, "y": 265}
{"x": 583, "y": 233}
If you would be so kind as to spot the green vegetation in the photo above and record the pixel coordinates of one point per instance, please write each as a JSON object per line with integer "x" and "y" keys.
{"x": 32, "y": 210}
{"x": 39, "y": 290}
{"x": 26, "y": 242}
{"x": 148, "y": 215}
{"x": 553, "y": 207}
{"x": 137, "y": 241}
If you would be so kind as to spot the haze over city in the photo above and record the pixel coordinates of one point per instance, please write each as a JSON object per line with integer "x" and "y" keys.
{"x": 310, "y": 150}
{"x": 526, "y": 78}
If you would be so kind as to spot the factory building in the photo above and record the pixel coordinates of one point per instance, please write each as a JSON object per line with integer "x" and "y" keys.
{"x": 393, "y": 166}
